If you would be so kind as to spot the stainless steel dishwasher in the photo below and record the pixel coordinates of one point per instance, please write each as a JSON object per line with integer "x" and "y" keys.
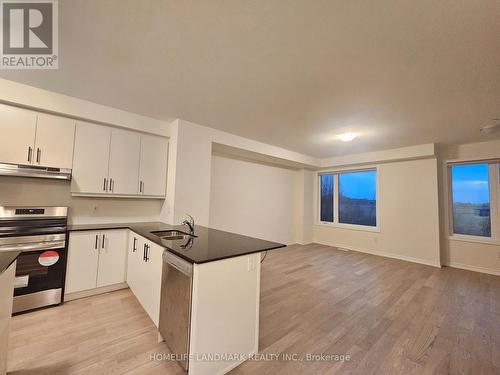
{"x": 175, "y": 306}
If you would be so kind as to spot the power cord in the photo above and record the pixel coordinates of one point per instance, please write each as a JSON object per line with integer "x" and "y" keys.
{"x": 263, "y": 258}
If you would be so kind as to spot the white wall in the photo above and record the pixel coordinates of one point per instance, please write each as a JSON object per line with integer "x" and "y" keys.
{"x": 190, "y": 155}
{"x": 253, "y": 199}
{"x": 474, "y": 256}
{"x": 47, "y": 101}
{"x": 391, "y": 155}
{"x": 409, "y": 215}
{"x": 192, "y": 175}
{"x": 304, "y": 206}
{"x": 19, "y": 191}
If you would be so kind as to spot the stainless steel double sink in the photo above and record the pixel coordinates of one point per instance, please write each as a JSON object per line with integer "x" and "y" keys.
{"x": 172, "y": 234}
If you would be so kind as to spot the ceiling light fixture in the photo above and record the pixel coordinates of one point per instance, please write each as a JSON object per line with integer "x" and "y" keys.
{"x": 347, "y": 137}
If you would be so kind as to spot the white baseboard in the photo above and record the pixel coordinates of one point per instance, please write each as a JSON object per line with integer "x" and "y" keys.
{"x": 467, "y": 267}
{"x": 300, "y": 243}
{"x": 93, "y": 292}
{"x": 385, "y": 254}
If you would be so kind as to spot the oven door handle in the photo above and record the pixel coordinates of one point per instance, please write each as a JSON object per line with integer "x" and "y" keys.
{"x": 34, "y": 246}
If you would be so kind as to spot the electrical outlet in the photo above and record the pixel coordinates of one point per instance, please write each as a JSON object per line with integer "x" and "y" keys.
{"x": 251, "y": 263}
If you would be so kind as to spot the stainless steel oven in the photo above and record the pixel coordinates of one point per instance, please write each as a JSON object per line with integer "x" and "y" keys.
{"x": 40, "y": 234}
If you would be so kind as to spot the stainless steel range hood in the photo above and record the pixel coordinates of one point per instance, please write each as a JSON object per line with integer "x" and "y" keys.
{"x": 34, "y": 171}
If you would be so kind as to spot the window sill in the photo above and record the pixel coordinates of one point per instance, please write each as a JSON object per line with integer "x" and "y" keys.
{"x": 474, "y": 239}
{"x": 362, "y": 228}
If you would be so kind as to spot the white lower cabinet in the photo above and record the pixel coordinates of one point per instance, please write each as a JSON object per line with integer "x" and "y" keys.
{"x": 96, "y": 259}
{"x": 112, "y": 258}
{"x": 102, "y": 258}
{"x": 134, "y": 244}
{"x": 144, "y": 269}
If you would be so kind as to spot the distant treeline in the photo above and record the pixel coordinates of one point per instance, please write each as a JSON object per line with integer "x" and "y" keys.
{"x": 358, "y": 211}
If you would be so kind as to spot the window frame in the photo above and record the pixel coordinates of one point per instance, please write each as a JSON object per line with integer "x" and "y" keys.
{"x": 336, "y": 203}
{"x": 494, "y": 190}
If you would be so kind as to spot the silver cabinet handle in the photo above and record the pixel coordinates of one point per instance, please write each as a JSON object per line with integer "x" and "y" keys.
{"x": 134, "y": 247}
{"x": 111, "y": 184}
{"x": 102, "y": 243}
{"x": 96, "y": 241}
{"x": 105, "y": 184}
{"x": 38, "y": 155}
{"x": 140, "y": 186}
{"x": 29, "y": 153}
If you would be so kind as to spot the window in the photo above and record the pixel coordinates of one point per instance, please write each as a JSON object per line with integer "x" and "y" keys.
{"x": 358, "y": 198}
{"x": 355, "y": 202}
{"x": 326, "y": 210}
{"x": 474, "y": 199}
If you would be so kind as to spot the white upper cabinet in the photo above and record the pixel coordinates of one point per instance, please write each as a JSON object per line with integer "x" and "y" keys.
{"x": 116, "y": 162}
{"x": 153, "y": 166}
{"x": 17, "y": 135}
{"x": 35, "y": 139}
{"x": 54, "y": 142}
{"x": 91, "y": 158}
{"x": 104, "y": 160}
{"x": 124, "y": 162}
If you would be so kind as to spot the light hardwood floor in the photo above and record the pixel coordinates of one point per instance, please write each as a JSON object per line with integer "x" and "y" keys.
{"x": 390, "y": 316}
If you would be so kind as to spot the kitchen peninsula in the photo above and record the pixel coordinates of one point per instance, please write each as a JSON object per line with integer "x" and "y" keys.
{"x": 206, "y": 301}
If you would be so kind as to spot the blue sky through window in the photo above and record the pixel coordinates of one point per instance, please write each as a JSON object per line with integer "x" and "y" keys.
{"x": 359, "y": 185}
{"x": 470, "y": 183}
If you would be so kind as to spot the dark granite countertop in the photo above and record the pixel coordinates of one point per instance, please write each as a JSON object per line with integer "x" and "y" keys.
{"x": 7, "y": 258}
{"x": 209, "y": 244}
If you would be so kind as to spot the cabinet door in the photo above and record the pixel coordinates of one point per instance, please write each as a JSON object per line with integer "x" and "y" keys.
{"x": 153, "y": 269}
{"x": 153, "y": 167}
{"x": 17, "y": 135}
{"x": 135, "y": 243}
{"x": 112, "y": 257}
{"x": 83, "y": 256}
{"x": 124, "y": 162}
{"x": 140, "y": 280}
{"x": 91, "y": 157}
{"x": 54, "y": 141}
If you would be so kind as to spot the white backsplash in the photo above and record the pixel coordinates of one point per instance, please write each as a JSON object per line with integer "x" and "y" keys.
{"x": 20, "y": 191}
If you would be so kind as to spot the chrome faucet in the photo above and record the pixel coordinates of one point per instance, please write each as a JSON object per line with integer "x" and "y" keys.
{"x": 189, "y": 223}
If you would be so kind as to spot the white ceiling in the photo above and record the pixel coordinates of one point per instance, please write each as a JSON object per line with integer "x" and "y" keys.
{"x": 292, "y": 73}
